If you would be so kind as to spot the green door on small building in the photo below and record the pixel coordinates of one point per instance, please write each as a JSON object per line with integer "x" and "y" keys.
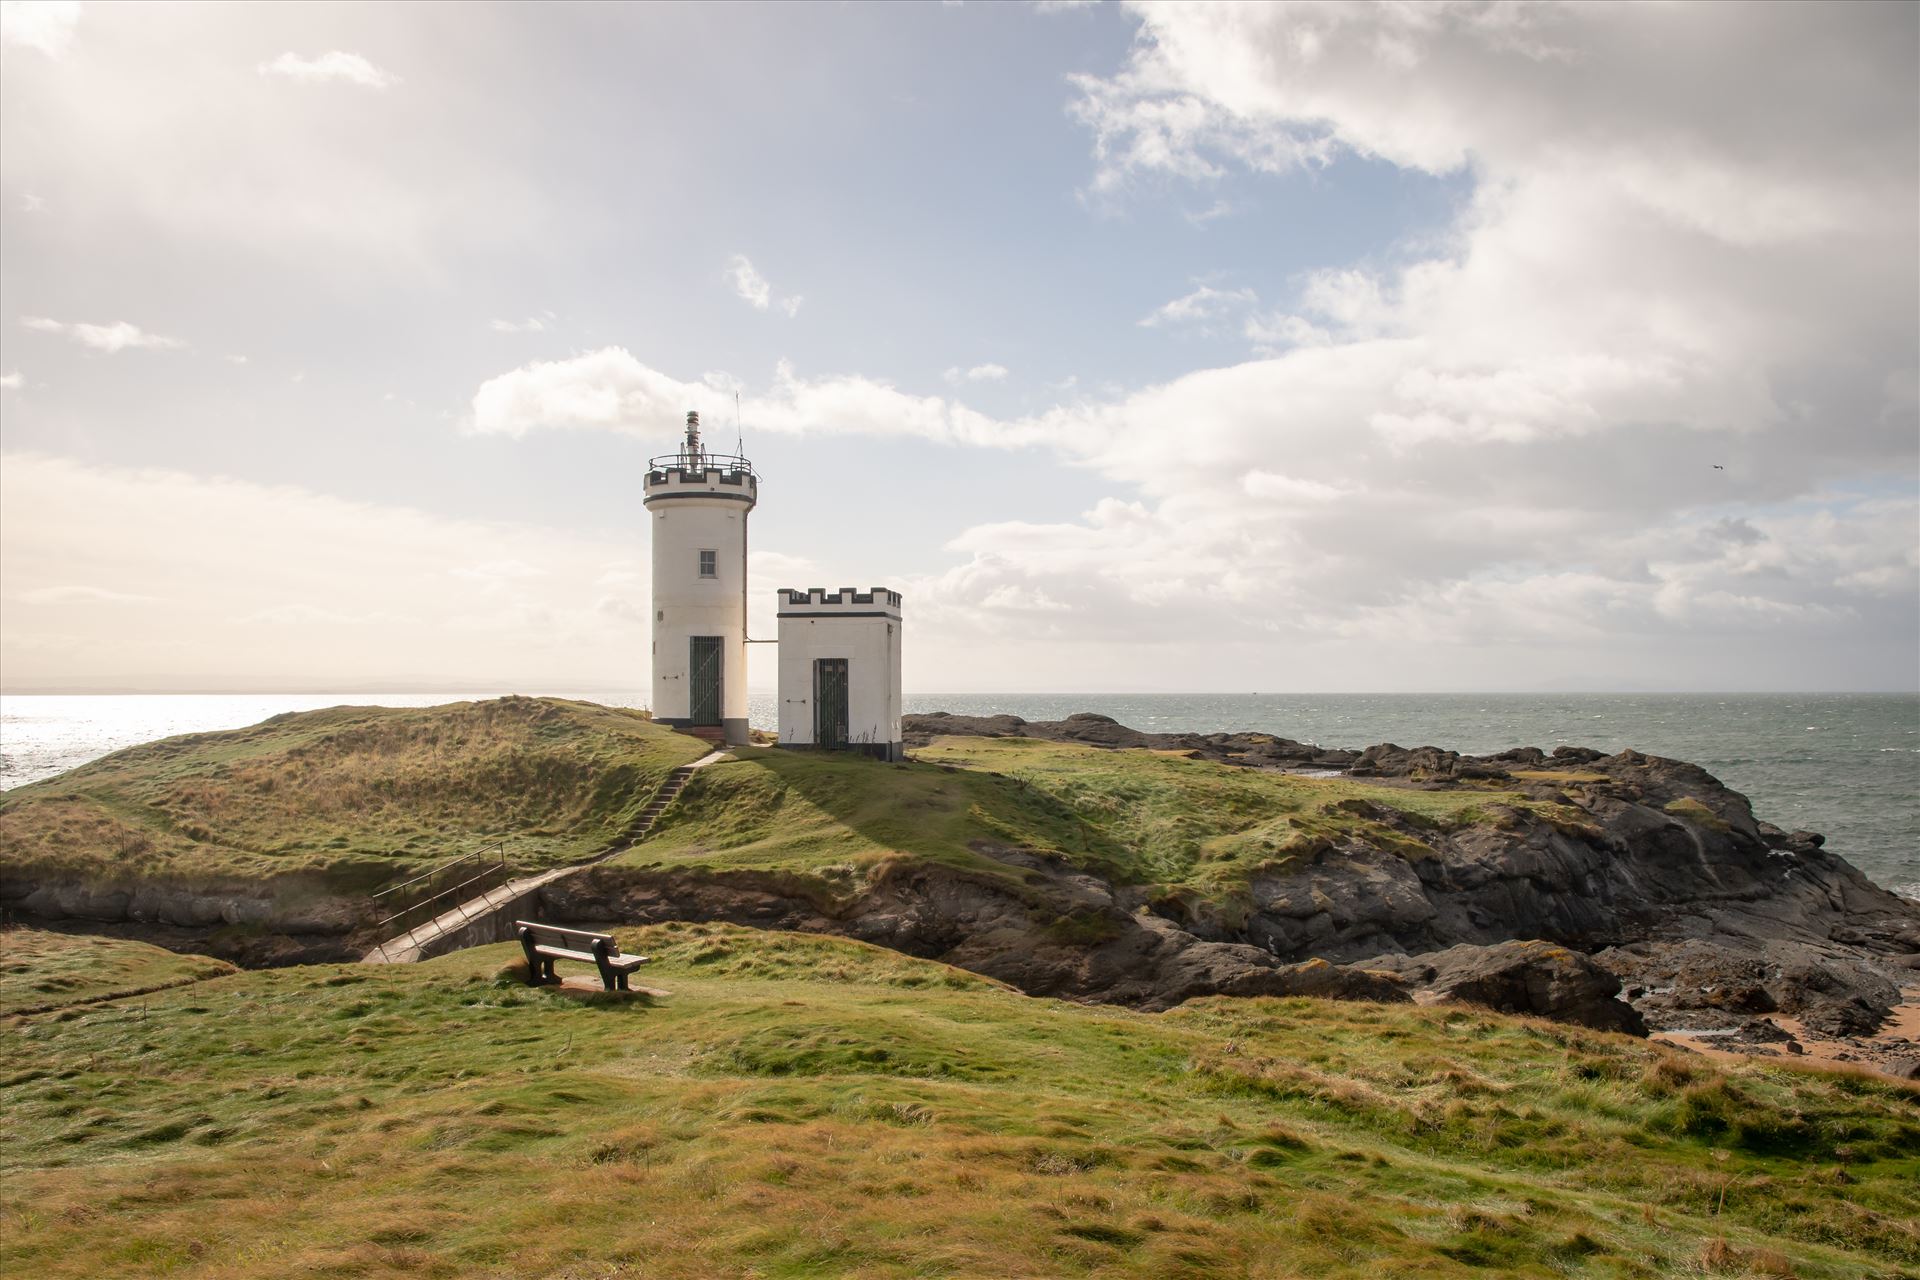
{"x": 830, "y": 703}
{"x": 703, "y": 689}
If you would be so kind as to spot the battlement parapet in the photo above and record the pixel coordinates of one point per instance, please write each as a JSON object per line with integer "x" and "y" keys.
{"x": 727, "y": 479}
{"x": 739, "y": 478}
{"x": 846, "y": 602}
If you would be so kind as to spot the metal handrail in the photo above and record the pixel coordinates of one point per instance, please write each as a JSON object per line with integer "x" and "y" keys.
{"x": 496, "y": 867}
{"x": 428, "y": 874}
{"x": 703, "y": 461}
{"x": 497, "y": 847}
{"x": 450, "y": 889}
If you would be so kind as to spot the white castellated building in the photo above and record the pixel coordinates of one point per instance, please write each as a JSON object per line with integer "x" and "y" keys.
{"x": 839, "y": 651}
{"x": 840, "y": 670}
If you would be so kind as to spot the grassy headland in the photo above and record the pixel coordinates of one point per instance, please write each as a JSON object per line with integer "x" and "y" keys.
{"x": 347, "y": 798}
{"x": 810, "y": 1106}
{"x": 350, "y": 795}
{"x": 1133, "y": 817}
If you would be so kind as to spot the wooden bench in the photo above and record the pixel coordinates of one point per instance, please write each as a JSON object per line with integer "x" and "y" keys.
{"x": 546, "y": 943}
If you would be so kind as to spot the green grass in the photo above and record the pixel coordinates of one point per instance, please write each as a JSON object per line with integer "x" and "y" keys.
{"x": 348, "y": 795}
{"x": 1695, "y": 812}
{"x": 1134, "y": 816}
{"x": 51, "y": 970}
{"x": 810, "y": 1106}
{"x": 342, "y": 800}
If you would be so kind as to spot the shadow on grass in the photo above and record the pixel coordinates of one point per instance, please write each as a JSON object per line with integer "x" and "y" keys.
{"x": 573, "y": 988}
{"x": 962, "y": 817}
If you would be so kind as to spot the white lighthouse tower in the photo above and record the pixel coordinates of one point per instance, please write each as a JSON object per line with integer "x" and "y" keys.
{"x": 698, "y": 503}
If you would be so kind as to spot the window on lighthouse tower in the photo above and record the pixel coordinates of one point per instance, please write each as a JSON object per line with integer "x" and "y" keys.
{"x": 709, "y": 564}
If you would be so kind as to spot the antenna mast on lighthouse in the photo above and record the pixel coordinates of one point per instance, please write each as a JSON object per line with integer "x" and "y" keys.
{"x": 692, "y": 450}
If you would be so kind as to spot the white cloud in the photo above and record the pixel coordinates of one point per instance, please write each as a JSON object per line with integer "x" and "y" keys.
{"x": 606, "y": 389}
{"x": 12, "y": 381}
{"x": 532, "y": 324}
{"x": 1218, "y": 209}
{"x": 165, "y": 135}
{"x": 234, "y": 359}
{"x": 45, "y": 25}
{"x": 749, "y": 283}
{"x": 111, "y": 338}
{"x": 1673, "y": 236}
{"x": 780, "y": 568}
{"x": 30, "y": 203}
{"x": 978, "y": 373}
{"x": 625, "y": 609}
{"x": 498, "y": 575}
{"x": 1204, "y": 304}
{"x": 1284, "y": 488}
{"x": 624, "y": 575}
{"x": 754, "y": 288}
{"x": 317, "y": 588}
{"x": 335, "y": 65}
{"x": 610, "y": 389}
{"x": 1495, "y": 446}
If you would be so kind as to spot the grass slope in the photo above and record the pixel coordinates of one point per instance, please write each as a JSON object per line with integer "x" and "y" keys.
{"x": 50, "y": 970}
{"x": 352, "y": 794}
{"x": 1134, "y": 816}
{"x": 809, "y": 1106}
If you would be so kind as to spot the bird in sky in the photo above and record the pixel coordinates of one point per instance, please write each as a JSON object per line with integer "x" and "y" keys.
{"x": 1718, "y": 467}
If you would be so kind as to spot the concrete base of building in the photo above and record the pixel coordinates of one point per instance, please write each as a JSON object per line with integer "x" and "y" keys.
{"x": 733, "y": 732}
{"x": 891, "y": 751}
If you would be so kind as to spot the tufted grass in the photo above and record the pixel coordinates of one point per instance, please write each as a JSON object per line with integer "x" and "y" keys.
{"x": 810, "y": 1106}
{"x": 1133, "y": 816}
{"x": 51, "y": 971}
{"x": 342, "y": 800}
{"x": 348, "y": 796}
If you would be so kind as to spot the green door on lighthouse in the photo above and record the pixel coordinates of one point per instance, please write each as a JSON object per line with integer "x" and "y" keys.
{"x": 703, "y": 671}
{"x": 830, "y": 703}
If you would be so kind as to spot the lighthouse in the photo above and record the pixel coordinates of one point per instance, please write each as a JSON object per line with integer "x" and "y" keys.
{"x": 697, "y": 505}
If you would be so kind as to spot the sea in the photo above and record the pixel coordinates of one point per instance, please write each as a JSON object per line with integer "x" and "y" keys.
{"x": 1846, "y": 765}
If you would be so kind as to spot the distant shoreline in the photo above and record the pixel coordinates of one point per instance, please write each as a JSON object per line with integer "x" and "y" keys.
{"x": 552, "y": 690}
{"x": 1846, "y": 764}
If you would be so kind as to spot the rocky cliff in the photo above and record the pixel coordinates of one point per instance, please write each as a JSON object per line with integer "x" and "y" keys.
{"x": 1659, "y": 883}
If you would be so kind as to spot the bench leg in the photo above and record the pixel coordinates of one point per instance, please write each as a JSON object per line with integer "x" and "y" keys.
{"x": 622, "y": 978}
{"x": 534, "y": 966}
{"x": 600, "y": 957}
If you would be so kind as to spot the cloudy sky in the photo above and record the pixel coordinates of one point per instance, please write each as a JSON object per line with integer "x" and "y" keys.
{"x": 1298, "y": 348}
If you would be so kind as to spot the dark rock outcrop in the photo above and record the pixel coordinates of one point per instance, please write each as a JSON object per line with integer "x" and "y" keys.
{"x": 1649, "y": 865}
{"x": 1729, "y": 985}
{"x": 1538, "y": 978}
{"x": 1058, "y": 934}
{"x": 1089, "y": 729}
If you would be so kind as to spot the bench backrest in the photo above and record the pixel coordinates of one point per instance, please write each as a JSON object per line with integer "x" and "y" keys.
{"x": 589, "y": 937}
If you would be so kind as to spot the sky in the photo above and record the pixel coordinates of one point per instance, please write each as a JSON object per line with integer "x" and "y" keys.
{"x": 1180, "y": 347}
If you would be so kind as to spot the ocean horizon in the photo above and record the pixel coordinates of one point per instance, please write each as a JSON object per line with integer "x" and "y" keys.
{"x": 1843, "y": 764}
